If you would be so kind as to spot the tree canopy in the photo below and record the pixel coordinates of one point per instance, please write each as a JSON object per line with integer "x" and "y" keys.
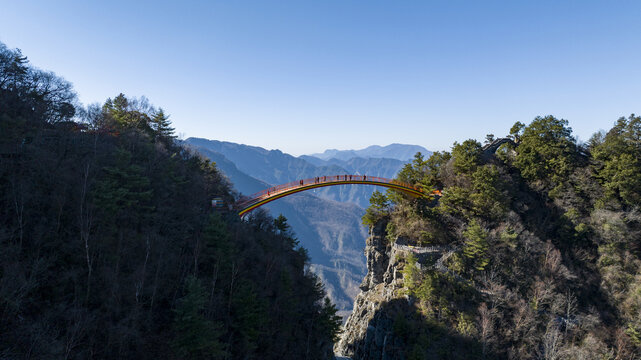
{"x": 617, "y": 158}
{"x": 532, "y": 250}
{"x": 110, "y": 247}
{"x": 547, "y": 151}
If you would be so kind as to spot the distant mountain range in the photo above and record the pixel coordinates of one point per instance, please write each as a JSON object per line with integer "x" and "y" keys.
{"x": 326, "y": 220}
{"x": 400, "y": 152}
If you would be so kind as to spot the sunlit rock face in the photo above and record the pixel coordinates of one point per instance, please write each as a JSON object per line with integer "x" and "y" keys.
{"x": 369, "y": 330}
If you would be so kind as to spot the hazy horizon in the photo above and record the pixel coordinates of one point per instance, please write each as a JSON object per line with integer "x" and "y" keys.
{"x": 304, "y": 77}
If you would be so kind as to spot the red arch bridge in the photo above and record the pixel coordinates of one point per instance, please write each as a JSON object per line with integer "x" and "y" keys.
{"x": 273, "y": 193}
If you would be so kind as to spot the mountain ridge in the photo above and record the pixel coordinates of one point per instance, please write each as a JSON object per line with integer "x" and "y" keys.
{"x": 402, "y": 152}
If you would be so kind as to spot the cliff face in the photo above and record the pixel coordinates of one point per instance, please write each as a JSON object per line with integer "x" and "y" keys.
{"x": 369, "y": 330}
{"x": 378, "y": 326}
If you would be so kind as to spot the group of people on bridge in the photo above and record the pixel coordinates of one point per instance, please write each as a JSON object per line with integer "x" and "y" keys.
{"x": 319, "y": 179}
{"x": 323, "y": 179}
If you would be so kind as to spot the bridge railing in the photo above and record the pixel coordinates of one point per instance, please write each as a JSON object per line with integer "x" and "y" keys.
{"x": 323, "y": 180}
{"x": 422, "y": 249}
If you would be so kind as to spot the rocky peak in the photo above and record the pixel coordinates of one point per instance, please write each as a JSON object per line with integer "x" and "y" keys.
{"x": 368, "y": 331}
{"x": 377, "y": 250}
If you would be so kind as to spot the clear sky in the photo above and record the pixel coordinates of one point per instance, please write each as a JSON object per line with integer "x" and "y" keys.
{"x": 304, "y": 76}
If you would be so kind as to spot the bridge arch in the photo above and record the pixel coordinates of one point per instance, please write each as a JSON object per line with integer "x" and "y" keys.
{"x": 276, "y": 192}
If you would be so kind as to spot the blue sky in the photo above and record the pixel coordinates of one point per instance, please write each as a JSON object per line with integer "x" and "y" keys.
{"x": 304, "y": 76}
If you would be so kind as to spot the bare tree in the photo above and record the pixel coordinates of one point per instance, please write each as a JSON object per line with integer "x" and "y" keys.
{"x": 550, "y": 348}
{"x": 570, "y": 310}
{"x": 542, "y": 292}
{"x": 86, "y": 219}
{"x": 486, "y": 326}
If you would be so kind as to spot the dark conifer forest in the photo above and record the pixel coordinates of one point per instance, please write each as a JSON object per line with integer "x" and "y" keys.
{"x": 110, "y": 247}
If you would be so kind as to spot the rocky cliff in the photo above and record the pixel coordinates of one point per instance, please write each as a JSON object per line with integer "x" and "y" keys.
{"x": 377, "y": 328}
{"x": 371, "y": 331}
{"x": 533, "y": 253}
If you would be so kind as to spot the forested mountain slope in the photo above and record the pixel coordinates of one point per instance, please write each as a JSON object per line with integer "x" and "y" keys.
{"x": 109, "y": 247}
{"x": 532, "y": 252}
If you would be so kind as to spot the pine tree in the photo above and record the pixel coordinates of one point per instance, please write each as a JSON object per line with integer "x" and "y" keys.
{"x": 250, "y": 314}
{"x": 476, "y": 246}
{"x": 467, "y": 156}
{"x": 285, "y": 230}
{"x": 379, "y": 207}
{"x": 196, "y": 337}
{"x": 124, "y": 187}
{"x": 547, "y": 151}
{"x": 617, "y": 160}
{"x": 162, "y": 126}
{"x": 329, "y": 321}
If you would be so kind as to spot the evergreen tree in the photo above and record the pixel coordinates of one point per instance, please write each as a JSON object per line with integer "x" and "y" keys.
{"x": 547, "y": 151}
{"x": 618, "y": 161}
{"x": 424, "y": 173}
{"x": 486, "y": 197}
{"x": 285, "y": 230}
{"x": 162, "y": 126}
{"x": 124, "y": 114}
{"x": 467, "y": 156}
{"x": 196, "y": 337}
{"x": 250, "y": 312}
{"x": 379, "y": 207}
{"x": 124, "y": 188}
{"x": 516, "y": 131}
{"x": 329, "y": 321}
{"x": 280, "y": 223}
{"x": 476, "y": 246}
{"x": 413, "y": 172}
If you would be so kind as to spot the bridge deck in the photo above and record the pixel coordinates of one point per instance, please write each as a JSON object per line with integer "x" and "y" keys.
{"x": 276, "y": 192}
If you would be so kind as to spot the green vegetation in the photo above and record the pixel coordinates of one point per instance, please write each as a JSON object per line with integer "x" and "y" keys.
{"x": 617, "y": 156}
{"x": 196, "y": 337}
{"x": 110, "y": 247}
{"x": 466, "y": 156}
{"x": 377, "y": 210}
{"x": 476, "y": 246}
{"x": 543, "y": 259}
{"x": 546, "y": 152}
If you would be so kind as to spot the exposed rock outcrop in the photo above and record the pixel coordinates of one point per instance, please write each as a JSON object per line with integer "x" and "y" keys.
{"x": 369, "y": 329}
{"x": 487, "y": 151}
{"x": 377, "y": 254}
{"x": 369, "y": 332}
